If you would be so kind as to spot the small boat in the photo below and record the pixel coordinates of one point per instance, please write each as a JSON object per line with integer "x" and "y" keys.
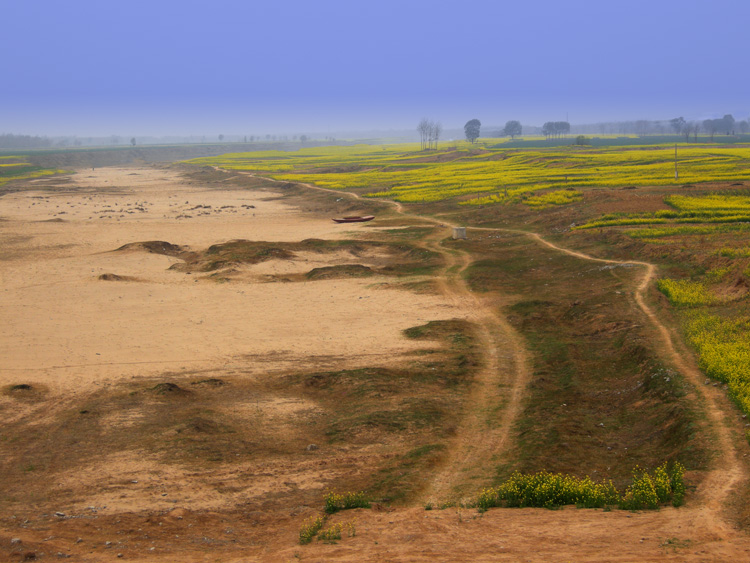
{"x": 354, "y": 219}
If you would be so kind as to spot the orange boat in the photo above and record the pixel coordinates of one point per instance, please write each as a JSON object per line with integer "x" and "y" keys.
{"x": 354, "y": 219}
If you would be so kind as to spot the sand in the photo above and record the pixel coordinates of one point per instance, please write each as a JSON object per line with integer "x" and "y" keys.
{"x": 67, "y": 329}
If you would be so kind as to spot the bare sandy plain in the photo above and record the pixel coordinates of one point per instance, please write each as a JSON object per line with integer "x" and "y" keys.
{"x": 68, "y": 334}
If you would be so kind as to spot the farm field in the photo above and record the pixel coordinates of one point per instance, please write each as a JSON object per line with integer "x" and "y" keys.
{"x": 196, "y": 357}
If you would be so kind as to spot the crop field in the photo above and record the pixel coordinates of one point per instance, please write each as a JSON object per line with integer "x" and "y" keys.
{"x": 706, "y": 232}
{"x": 486, "y": 174}
{"x": 15, "y": 168}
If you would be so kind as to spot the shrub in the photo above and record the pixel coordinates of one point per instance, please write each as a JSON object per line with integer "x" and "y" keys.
{"x": 335, "y": 502}
{"x": 548, "y": 490}
{"x": 310, "y": 529}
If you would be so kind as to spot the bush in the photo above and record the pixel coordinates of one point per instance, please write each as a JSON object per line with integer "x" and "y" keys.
{"x": 335, "y": 502}
{"x": 548, "y": 490}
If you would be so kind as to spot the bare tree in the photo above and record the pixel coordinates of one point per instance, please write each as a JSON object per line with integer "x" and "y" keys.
{"x": 423, "y": 128}
{"x": 436, "y": 128}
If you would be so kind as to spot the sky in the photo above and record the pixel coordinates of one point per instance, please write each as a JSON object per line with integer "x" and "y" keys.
{"x": 248, "y": 67}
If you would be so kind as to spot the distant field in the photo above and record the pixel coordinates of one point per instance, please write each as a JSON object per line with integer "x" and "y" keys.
{"x": 481, "y": 175}
{"x": 17, "y": 168}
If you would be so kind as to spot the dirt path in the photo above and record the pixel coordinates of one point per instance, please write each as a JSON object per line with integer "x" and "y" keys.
{"x": 728, "y": 473}
{"x": 482, "y": 438}
{"x": 494, "y": 402}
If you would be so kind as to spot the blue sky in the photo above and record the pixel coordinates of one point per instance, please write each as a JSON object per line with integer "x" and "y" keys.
{"x": 161, "y": 67}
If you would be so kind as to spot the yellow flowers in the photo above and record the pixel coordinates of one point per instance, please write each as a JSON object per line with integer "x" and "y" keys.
{"x": 649, "y": 491}
{"x": 335, "y": 502}
{"x": 723, "y": 347}
{"x": 559, "y": 197}
{"x": 686, "y": 293}
{"x": 548, "y": 490}
{"x": 22, "y": 171}
{"x": 487, "y": 175}
{"x": 310, "y": 529}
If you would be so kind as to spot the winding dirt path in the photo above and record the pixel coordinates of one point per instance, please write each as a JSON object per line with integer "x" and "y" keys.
{"x": 483, "y": 435}
{"x": 728, "y": 473}
{"x": 495, "y": 399}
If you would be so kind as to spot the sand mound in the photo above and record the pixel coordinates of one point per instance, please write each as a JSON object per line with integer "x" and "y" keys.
{"x": 342, "y": 271}
{"x": 115, "y": 277}
{"x": 154, "y": 247}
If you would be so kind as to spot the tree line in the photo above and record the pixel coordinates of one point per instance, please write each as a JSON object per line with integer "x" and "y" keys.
{"x": 429, "y": 133}
{"x": 9, "y": 141}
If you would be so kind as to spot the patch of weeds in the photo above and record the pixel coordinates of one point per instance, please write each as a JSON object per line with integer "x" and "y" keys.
{"x": 335, "y": 502}
{"x": 310, "y": 529}
{"x": 331, "y": 534}
{"x": 675, "y": 543}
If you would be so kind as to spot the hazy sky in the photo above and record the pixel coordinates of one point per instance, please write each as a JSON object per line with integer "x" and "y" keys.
{"x": 159, "y": 67}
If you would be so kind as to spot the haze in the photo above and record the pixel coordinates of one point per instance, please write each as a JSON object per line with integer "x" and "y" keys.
{"x": 238, "y": 67}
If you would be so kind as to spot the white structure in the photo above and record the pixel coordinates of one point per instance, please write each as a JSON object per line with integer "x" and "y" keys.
{"x": 459, "y": 232}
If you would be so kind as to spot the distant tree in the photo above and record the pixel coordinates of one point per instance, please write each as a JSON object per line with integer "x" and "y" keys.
{"x": 132, "y": 141}
{"x": 268, "y": 137}
{"x": 436, "y": 129}
{"x": 221, "y": 137}
{"x": 423, "y": 128}
{"x": 642, "y": 127}
{"x": 678, "y": 123}
{"x": 743, "y": 126}
{"x": 246, "y": 138}
{"x": 555, "y": 128}
{"x": 727, "y": 124}
{"x": 10, "y": 141}
{"x": 471, "y": 129}
{"x": 302, "y": 138}
{"x": 709, "y": 126}
{"x": 691, "y": 129}
{"x": 429, "y": 133}
{"x": 582, "y": 140}
{"x": 512, "y": 129}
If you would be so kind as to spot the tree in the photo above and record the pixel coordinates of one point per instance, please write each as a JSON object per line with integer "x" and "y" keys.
{"x": 677, "y": 124}
{"x": 302, "y": 138}
{"x": 423, "y": 128}
{"x": 709, "y": 126}
{"x": 555, "y": 128}
{"x": 221, "y": 137}
{"x": 512, "y": 128}
{"x": 132, "y": 141}
{"x": 471, "y": 129}
{"x": 727, "y": 124}
{"x": 689, "y": 128}
{"x": 429, "y": 133}
{"x": 436, "y": 128}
